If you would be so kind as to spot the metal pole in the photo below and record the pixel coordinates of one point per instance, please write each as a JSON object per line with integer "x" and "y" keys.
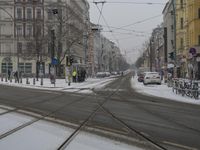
{"x": 175, "y": 61}
{"x": 150, "y": 55}
{"x": 85, "y": 46}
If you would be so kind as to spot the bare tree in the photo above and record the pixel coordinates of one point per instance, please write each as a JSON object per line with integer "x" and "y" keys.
{"x": 68, "y": 34}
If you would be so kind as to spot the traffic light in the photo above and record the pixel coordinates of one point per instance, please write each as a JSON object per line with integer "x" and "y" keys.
{"x": 171, "y": 55}
{"x": 55, "y": 11}
{"x": 71, "y": 60}
{"x": 67, "y": 61}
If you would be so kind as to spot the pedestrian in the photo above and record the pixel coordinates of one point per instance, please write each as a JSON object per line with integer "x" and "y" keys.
{"x": 79, "y": 75}
{"x": 16, "y": 76}
{"x": 84, "y": 74}
{"x": 74, "y": 74}
{"x": 9, "y": 74}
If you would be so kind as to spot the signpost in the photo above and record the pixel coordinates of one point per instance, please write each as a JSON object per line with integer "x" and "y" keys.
{"x": 193, "y": 51}
{"x": 54, "y": 62}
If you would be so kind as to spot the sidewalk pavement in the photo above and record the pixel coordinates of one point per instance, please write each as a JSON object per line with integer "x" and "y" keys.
{"x": 61, "y": 84}
{"x": 161, "y": 91}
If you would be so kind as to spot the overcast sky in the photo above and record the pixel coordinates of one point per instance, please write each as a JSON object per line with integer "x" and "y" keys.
{"x": 118, "y": 13}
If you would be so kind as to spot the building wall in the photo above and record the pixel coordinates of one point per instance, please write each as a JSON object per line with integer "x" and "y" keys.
{"x": 168, "y": 23}
{"x": 193, "y": 22}
{"x": 193, "y": 14}
{"x": 181, "y": 38}
{"x": 28, "y": 53}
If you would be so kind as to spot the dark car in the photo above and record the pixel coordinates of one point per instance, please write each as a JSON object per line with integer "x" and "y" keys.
{"x": 141, "y": 77}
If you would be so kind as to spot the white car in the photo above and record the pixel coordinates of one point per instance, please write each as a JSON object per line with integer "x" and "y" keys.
{"x": 152, "y": 78}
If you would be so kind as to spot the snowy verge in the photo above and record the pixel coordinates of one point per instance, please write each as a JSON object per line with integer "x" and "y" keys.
{"x": 62, "y": 85}
{"x": 160, "y": 91}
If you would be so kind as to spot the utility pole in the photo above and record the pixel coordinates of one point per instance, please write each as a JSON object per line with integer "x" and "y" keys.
{"x": 59, "y": 51}
{"x": 175, "y": 59}
{"x": 100, "y": 60}
{"x": 150, "y": 54}
{"x": 165, "y": 52}
{"x": 85, "y": 39}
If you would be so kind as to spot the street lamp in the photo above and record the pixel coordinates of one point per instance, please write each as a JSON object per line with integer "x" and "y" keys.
{"x": 174, "y": 12}
{"x": 150, "y": 54}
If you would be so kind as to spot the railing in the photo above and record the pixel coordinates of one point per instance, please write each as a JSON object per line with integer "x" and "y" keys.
{"x": 186, "y": 87}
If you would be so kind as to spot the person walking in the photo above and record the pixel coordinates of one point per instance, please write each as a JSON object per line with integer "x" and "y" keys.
{"x": 16, "y": 76}
{"x": 74, "y": 75}
{"x": 9, "y": 73}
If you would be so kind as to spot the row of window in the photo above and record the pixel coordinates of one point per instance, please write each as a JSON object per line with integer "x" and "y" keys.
{"x": 28, "y": 13}
{"x": 23, "y": 67}
{"x": 28, "y": 46}
{"x": 182, "y": 42}
{"x": 182, "y": 20}
{"x": 29, "y": 1}
{"x": 28, "y": 30}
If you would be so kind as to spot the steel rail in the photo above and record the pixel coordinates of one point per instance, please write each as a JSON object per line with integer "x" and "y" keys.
{"x": 84, "y": 123}
{"x": 40, "y": 118}
{"x": 153, "y": 143}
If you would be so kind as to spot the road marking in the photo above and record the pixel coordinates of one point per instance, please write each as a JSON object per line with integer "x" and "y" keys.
{"x": 6, "y": 107}
{"x": 111, "y": 90}
{"x": 179, "y": 146}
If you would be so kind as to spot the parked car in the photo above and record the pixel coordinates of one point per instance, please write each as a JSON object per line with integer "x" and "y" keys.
{"x": 152, "y": 78}
{"x": 141, "y": 77}
{"x": 102, "y": 74}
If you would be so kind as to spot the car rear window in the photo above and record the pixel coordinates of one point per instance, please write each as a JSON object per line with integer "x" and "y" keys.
{"x": 152, "y": 74}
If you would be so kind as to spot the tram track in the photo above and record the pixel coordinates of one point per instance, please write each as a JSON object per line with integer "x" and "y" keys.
{"x": 120, "y": 121}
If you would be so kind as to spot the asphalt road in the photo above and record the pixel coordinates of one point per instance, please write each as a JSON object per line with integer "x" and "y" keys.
{"x": 173, "y": 125}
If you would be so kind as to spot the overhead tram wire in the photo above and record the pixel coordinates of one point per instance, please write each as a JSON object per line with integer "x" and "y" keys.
{"x": 107, "y": 24}
{"x": 128, "y": 2}
{"x": 100, "y": 15}
{"x": 138, "y": 22}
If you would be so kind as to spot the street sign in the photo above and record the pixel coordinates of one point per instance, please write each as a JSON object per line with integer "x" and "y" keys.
{"x": 193, "y": 51}
{"x": 54, "y": 61}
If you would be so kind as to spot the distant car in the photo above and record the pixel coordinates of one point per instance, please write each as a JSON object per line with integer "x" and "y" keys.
{"x": 113, "y": 73}
{"x": 141, "y": 77}
{"x": 152, "y": 78}
{"x": 102, "y": 74}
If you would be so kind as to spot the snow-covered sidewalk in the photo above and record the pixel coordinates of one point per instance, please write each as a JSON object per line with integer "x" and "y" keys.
{"x": 62, "y": 85}
{"x": 161, "y": 91}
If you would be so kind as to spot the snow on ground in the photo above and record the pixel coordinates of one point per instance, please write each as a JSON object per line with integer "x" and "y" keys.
{"x": 62, "y": 85}
{"x": 44, "y": 135}
{"x": 161, "y": 91}
{"x": 10, "y": 121}
{"x": 2, "y": 111}
{"x": 41, "y": 135}
{"x": 87, "y": 141}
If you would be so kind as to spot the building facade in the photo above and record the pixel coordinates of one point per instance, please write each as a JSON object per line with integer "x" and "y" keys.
{"x": 181, "y": 38}
{"x": 169, "y": 33}
{"x": 29, "y": 27}
{"x": 104, "y": 53}
{"x": 193, "y": 51}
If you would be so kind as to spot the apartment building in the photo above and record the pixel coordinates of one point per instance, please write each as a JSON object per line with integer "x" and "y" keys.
{"x": 181, "y": 37}
{"x": 27, "y": 28}
{"x": 193, "y": 51}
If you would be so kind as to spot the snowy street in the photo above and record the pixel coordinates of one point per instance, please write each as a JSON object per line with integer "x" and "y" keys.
{"x": 100, "y": 114}
{"x": 46, "y": 135}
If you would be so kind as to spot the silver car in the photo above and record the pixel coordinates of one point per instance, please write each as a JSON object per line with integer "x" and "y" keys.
{"x": 152, "y": 78}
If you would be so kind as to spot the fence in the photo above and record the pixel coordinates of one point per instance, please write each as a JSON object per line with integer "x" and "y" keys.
{"x": 186, "y": 87}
